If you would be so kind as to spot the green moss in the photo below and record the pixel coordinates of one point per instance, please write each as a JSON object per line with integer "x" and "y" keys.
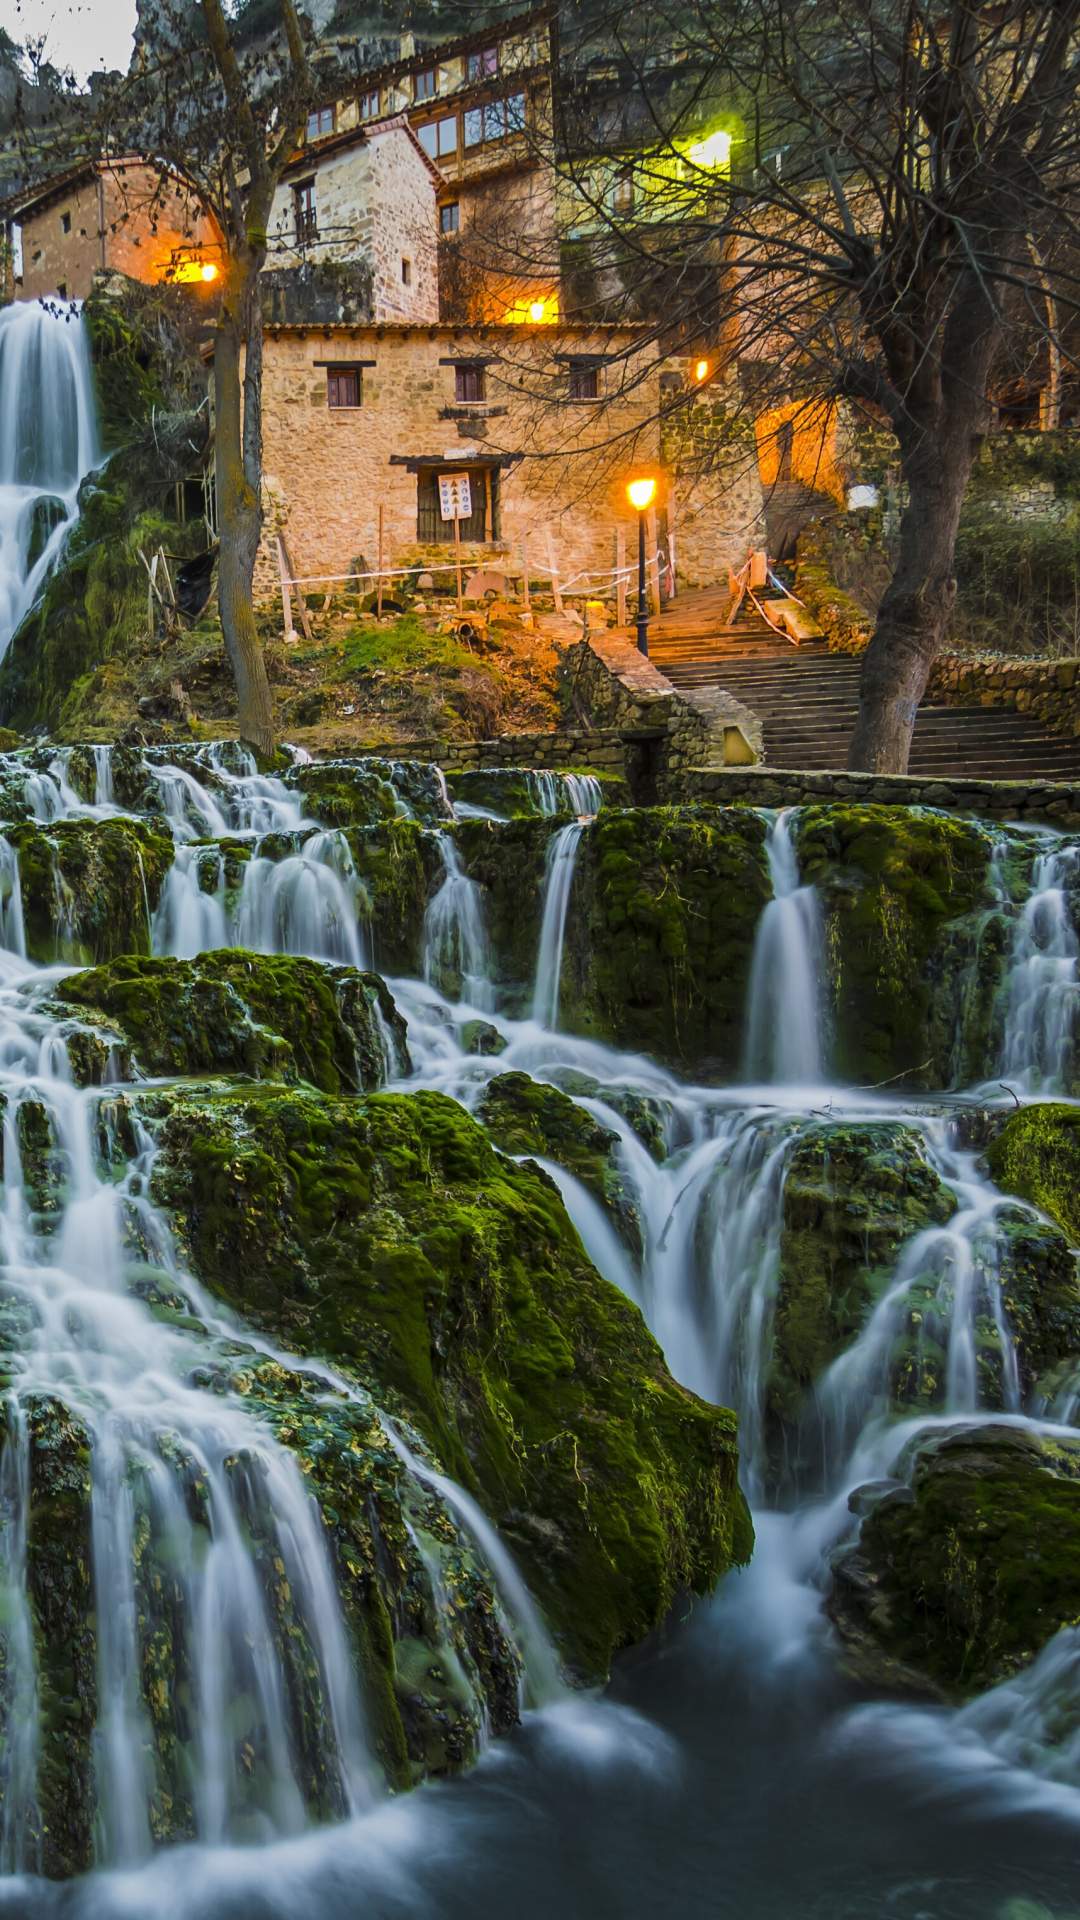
{"x": 968, "y": 1574}
{"x": 661, "y": 932}
{"x": 914, "y": 946}
{"x": 60, "y": 1589}
{"x": 853, "y": 1194}
{"x": 89, "y": 887}
{"x": 389, "y": 1234}
{"x": 268, "y": 1015}
{"x": 523, "y": 1116}
{"x": 1037, "y": 1156}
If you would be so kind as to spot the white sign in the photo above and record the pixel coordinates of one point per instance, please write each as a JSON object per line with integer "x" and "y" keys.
{"x": 861, "y": 497}
{"x": 455, "y": 496}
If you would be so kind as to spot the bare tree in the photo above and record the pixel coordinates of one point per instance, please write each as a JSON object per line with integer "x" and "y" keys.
{"x": 226, "y": 122}
{"x": 874, "y": 201}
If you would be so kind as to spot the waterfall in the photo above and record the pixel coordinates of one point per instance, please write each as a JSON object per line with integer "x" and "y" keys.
{"x": 307, "y": 903}
{"x": 1042, "y": 979}
{"x": 784, "y": 1038}
{"x": 558, "y": 880}
{"x": 456, "y": 949}
{"x": 47, "y": 446}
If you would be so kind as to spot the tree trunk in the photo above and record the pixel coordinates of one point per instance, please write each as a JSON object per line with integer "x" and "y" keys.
{"x": 918, "y": 600}
{"x": 240, "y": 515}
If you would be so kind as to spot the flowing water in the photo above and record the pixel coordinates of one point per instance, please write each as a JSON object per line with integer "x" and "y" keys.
{"x": 48, "y": 443}
{"x": 729, "y": 1769}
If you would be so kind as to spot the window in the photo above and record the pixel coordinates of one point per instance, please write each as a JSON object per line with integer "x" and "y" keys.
{"x": 584, "y": 381}
{"x": 369, "y": 105}
{"x": 320, "y": 122}
{"x": 497, "y": 119}
{"x": 468, "y": 383}
{"x": 430, "y": 525}
{"x": 425, "y": 85}
{"x": 65, "y": 223}
{"x": 622, "y": 196}
{"x": 439, "y": 137}
{"x": 481, "y": 64}
{"x": 406, "y": 272}
{"x": 343, "y": 387}
{"x": 448, "y": 217}
{"x": 307, "y": 225}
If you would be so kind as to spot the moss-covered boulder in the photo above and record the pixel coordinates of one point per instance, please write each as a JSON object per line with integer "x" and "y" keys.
{"x": 966, "y": 1574}
{"x": 389, "y": 1234}
{"x": 89, "y": 887}
{"x": 524, "y": 1116}
{"x": 342, "y": 793}
{"x": 854, "y": 1192}
{"x": 269, "y": 1015}
{"x": 915, "y": 944}
{"x": 1036, "y": 1155}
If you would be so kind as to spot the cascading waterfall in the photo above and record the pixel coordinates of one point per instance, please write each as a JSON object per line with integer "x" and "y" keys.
{"x": 48, "y": 445}
{"x": 712, "y": 1214}
{"x": 1043, "y": 991}
{"x": 784, "y": 1028}
{"x": 456, "y": 952}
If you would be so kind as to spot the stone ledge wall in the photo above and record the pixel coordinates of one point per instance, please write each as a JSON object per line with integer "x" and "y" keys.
{"x": 1049, "y": 690}
{"x": 601, "y": 751}
{"x": 616, "y": 686}
{"x": 1055, "y": 803}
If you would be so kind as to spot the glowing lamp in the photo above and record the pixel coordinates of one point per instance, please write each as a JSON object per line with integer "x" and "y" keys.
{"x": 536, "y": 311}
{"x": 702, "y": 369}
{"x": 713, "y": 152}
{"x": 641, "y": 493}
{"x": 209, "y": 271}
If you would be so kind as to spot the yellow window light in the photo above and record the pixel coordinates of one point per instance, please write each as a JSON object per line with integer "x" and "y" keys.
{"x": 192, "y": 272}
{"x": 713, "y": 152}
{"x": 702, "y": 369}
{"x": 641, "y": 493}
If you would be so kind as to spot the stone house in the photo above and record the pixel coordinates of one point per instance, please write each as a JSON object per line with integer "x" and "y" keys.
{"x": 126, "y": 213}
{"x": 547, "y": 424}
{"x": 363, "y": 198}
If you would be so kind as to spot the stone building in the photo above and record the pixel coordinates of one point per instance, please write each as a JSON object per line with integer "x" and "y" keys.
{"x": 547, "y": 424}
{"x": 480, "y": 105}
{"x": 127, "y": 213}
{"x": 361, "y": 199}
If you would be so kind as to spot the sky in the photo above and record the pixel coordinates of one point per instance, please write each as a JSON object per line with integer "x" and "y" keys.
{"x": 81, "y": 34}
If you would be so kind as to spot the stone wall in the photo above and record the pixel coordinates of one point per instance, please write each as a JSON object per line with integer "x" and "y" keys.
{"x": 1049, "y": 690}
{"x": 609, "y": 681}
{"x": 374, "y": 204}
{"x": 714, "y": 486}
{"x": 1056, "y": 803}
{"x": 546, "y": 460}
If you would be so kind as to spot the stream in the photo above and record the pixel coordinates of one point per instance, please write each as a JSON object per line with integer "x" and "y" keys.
{"x": 730, "y": 1768}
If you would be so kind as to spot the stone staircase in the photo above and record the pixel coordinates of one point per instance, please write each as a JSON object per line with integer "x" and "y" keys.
{"x": 807, "y": 703}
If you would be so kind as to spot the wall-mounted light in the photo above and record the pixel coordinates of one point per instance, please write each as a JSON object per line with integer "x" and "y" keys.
{"x": 701, "y": 370}
{"x": 715, "y": 151}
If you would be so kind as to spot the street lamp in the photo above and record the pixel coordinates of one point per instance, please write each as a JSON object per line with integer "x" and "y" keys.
{"x": 641, "y": 494}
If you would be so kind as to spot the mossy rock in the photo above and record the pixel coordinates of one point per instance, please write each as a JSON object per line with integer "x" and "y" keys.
{"x": 967, "y": 1573}
{"x": 1036, "y": 1155}
{"x": 915, "y": 946}
{"x": 60, "y": 1590}
{"x": 854, "y": 1192}
{"x": 399, "y": 867}
{"x": 524, "y": 1116}
{"x": 89, "y": 887}
{"x": 339, "y": 794}
{"x": 268, "y": 1015}
{"x": 389, "y": 1235}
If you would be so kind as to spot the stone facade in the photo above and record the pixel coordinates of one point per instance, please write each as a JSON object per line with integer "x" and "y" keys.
{"x": 120, "y": 214}
{"x": 368, "y": 200}
{"x": 1055, "y": 802}
{"x": 715, "y": 503}
{"x": 539, "y": 462}
{"x": 614, "y": 685}
{"x": 1049, "y": 690}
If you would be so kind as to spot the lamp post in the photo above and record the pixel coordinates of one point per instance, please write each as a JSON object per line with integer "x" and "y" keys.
{"x": 641, "y": 496}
